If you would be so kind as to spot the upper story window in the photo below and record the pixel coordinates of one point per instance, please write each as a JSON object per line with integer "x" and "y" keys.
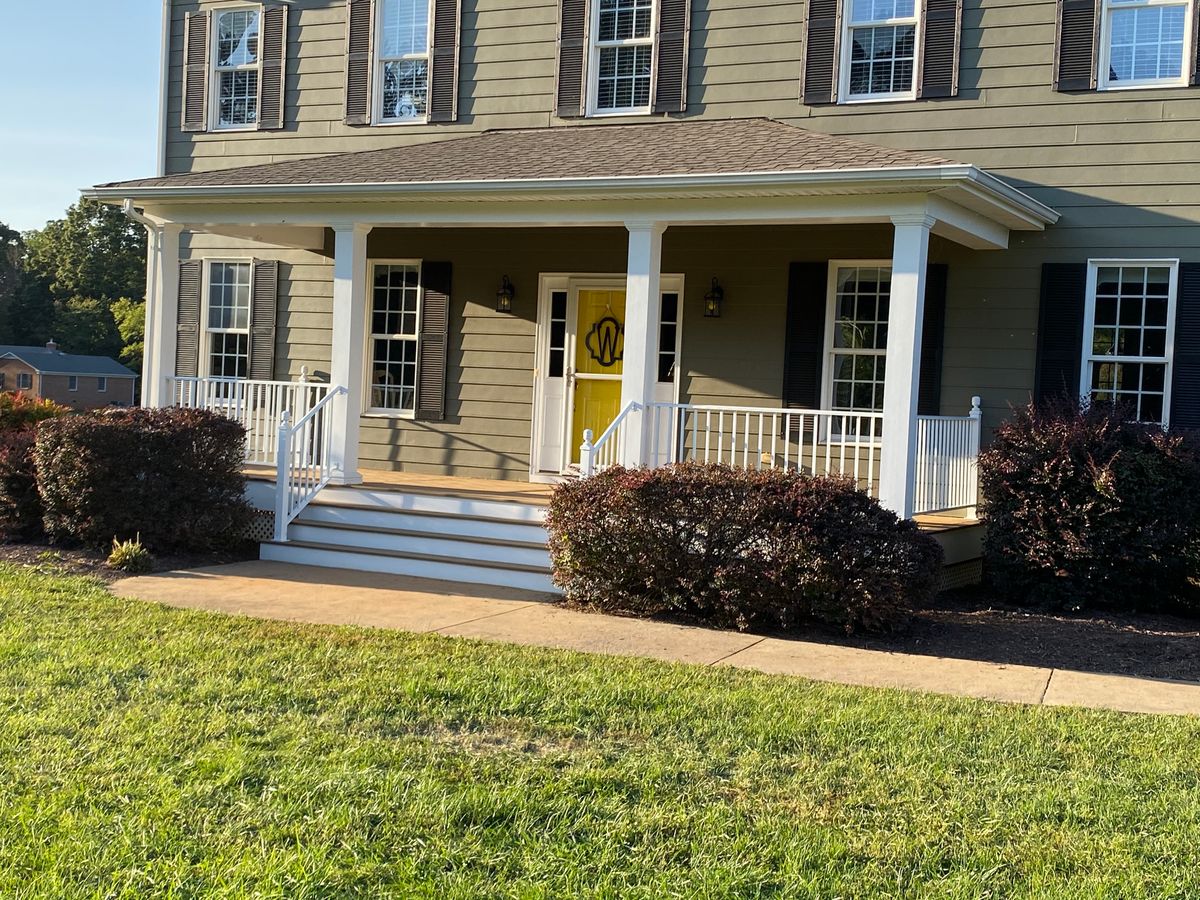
{"x": 1144, "y": 43}
{"x": 622, "y": 56}
{"x": 1128, "y": 335}
{"x": 880, "y": 50}
{"x": 228, "y": 319}
{"x": 236, "y": 68}
{"x": 402, "y": 61}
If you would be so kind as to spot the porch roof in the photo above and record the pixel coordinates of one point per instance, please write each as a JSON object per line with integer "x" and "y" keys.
{"x": 696, "y": 160}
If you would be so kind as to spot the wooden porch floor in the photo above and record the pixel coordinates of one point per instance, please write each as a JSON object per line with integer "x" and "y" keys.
{"x": 528, "y": 492}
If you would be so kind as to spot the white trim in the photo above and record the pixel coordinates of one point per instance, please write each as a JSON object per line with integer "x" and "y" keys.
{"x": 846, "y": 50}
{"x": 1104, "y": 55}
{"x": 592, "y": 66}
{"x": 377, "y": 64}
{"x": 1089, "y": 324}
{"x": 204, "y": 364}
{"x": 164, "y": 82}
{"x": 369, "y": 337}
{"x": 214, "y": 73}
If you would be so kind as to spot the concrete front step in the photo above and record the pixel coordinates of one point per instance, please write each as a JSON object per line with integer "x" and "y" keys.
{"x": 416, "y": 564}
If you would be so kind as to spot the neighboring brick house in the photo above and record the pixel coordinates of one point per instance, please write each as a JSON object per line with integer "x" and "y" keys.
{"x": 79, "y": 382}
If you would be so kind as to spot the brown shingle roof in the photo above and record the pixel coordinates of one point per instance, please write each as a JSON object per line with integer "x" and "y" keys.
{"x": 657, "y": 149}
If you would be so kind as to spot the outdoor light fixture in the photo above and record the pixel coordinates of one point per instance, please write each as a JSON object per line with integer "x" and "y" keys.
{"x": 712, "y": 300}
{"x": 504, "y": 296}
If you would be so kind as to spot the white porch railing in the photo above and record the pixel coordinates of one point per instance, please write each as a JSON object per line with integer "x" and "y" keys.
{"x": 815, "y": 442}
{"x": 258, "y": 405}
{"x": 947, "y": 470}
{"x": 303, "y": 465}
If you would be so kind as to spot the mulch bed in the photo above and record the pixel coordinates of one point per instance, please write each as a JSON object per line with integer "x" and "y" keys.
{"x": 77, "y": 561}
{"x": 972, "y": 624}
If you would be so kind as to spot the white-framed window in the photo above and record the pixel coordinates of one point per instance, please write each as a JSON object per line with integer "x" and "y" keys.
{"x": 236, "y": 67}
{"x": 1129, "y": 335}
{"x": 227, "y": 318}
{"x": 24, "y": 381}
{"x": 856, "y": 335}
{"x": 402, "y": 61}
{"x": 622, "y": 57}
{"x": 879, "y": 50}
{"x": 72, "y": 382}
{"x": 102, "y": 385}
{"x": 394, "y": 323}
{"x": 1145, "y": 43}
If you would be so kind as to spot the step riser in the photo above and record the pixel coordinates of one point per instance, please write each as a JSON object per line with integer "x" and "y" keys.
{"x": 508, "y": 510}
{"x": 518, "y": 532}
{"x": 417, "y": 568}
{"x": 429, "y": 545}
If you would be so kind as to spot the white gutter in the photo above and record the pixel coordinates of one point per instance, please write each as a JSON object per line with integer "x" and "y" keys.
{"x": 927, "y": 175}
{"x": 163, "y": 87}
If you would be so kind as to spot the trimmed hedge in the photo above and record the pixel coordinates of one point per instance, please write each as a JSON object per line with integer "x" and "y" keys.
{"x": 20, "y": 505}
{"x": 1086, "y": 509}
{"x": 172, "y": 476}
{"x": 743, "y": 549}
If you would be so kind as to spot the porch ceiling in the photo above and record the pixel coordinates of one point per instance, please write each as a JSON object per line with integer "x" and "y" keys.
{"x": 754, "y": 171}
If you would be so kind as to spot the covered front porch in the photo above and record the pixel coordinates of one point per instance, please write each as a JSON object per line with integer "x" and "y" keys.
{"x": 752, "y": 388}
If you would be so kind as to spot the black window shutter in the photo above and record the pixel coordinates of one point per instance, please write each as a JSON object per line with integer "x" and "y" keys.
{"x": 1185, "y": 377}
{"x": 572, "y": 18}
{"x": 187, "y": 330}
{"x": 360, "y": 20}
{"x": 1060, "y": 331}
{"x": 820, "y": 52}
{"x": 670, "y": 91}
{"x": 939, "y": 48}
{"x": 443, "y": 90}
{"x": 933, "y": 332}
{"x": 1075, "y": 47}
{"x": 434, "y": 341}
{"x": 274, "y": 58}
{"x": 804, "y": 340}
{"x": 1195, "y": 77}
{"x": 195, "y": 72}
{"x": 264, "y": 297}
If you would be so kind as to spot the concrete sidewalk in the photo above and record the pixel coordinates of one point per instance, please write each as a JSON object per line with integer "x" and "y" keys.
{"x": 271, "y": 590}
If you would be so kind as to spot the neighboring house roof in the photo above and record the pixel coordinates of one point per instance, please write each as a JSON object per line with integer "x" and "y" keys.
{"x": 657, "y": 149}
{"x": 55, "y": 362}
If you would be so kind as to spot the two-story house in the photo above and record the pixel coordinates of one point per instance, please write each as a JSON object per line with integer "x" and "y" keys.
{"x": 517, "y": 240}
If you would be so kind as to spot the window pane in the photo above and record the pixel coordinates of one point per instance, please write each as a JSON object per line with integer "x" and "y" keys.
{"x": 624, "y": 77}
{"x": 404, "y": 28}
{"x": 881, "y": 59}
{"x": 237, "y": 38}
{"x": 238, "y": 103}
{"x": 394, "y": 374}
{"x": 229, "y": 295}
{"x": 1146, "y": 43}
{"x": 622, "y": 20}
{"x": 229, "y": 355}
{"x": 405, "y": 89}
{"x": 860, "y": 329}
{"x": 394, "y": 300}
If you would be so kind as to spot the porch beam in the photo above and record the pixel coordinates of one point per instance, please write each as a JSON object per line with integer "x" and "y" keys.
{"x": 346, "y": 366}
{"x": 162, "y": 313}
{"x": 643, "y": 305}
{"x": 897, "y": 465}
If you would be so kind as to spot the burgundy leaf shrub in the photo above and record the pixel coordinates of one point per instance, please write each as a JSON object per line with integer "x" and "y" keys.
{"x": 172, "y": 476}
{"x": 766, "y": 549}
{"x": 20, "y": 504}
{"x": 1086, "y": 509}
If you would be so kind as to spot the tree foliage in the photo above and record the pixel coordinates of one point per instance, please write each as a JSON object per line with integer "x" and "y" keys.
{"x": 72, "y": 282}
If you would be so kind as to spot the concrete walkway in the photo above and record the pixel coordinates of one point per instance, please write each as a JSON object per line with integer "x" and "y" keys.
{"x": 271, "y": 590}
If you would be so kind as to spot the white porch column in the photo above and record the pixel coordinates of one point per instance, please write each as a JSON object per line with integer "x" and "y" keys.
{"x": 643, "y": 305}
{"x": 897, "y": 466}
{"x": 346, "y": 352}
{"x": 162, "y": 313}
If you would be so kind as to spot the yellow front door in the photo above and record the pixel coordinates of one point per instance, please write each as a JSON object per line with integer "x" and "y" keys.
{"x": 599, "y": 355}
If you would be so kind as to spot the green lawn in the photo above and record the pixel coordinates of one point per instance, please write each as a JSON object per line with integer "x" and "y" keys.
{"x": 148, "y": 752}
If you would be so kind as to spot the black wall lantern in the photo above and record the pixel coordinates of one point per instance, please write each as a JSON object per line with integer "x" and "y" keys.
{"x": 504, "y": 296}
{"x": 712, "y": 300}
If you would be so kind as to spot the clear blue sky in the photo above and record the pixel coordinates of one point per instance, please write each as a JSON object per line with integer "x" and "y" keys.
{"x": 78, "y": 101}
